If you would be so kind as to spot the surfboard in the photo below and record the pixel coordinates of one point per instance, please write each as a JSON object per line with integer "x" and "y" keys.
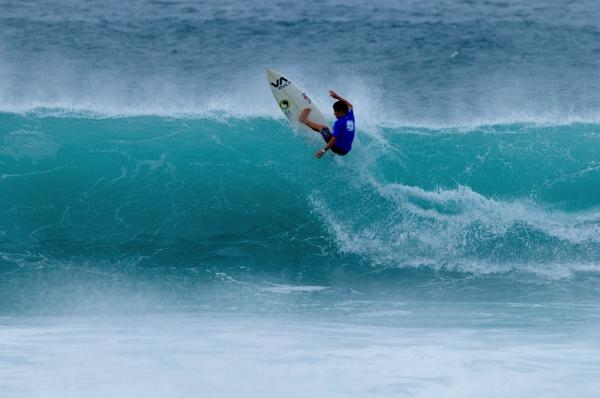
{"x": 291, "y": 99}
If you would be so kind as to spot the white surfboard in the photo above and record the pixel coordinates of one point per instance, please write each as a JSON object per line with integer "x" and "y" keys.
{"x": 291, "y": 99}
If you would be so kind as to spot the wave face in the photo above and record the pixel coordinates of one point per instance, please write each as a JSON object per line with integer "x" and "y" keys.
{"x": 141, "y": 151}
{"x": 212, "y": 199}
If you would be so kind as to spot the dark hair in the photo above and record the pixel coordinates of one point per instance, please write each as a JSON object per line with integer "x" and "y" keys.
{"x": 340, "y": 106}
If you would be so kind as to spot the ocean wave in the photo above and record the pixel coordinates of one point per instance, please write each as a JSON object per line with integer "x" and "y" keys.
{"x": 371, "y": 118}
{"x": 236, "y": 189}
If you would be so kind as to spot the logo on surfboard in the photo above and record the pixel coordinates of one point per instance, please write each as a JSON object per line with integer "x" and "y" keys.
{"x": 280, "y": 83}
{"x": 284, "y": 105}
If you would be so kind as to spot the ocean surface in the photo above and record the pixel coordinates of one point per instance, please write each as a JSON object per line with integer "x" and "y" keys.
{"x": 165, "y": 233}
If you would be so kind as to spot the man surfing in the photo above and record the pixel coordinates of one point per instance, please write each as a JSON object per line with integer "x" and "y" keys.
{"x": 340, "y": 141}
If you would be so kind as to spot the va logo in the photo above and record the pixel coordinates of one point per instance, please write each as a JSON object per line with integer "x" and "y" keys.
{"x": 284, "y": 105}
{"x": 281, "y": 83}
{"x": 350, "y": 125}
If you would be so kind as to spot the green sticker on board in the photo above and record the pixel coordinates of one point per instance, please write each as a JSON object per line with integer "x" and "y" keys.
{"x": 284, "y": 104}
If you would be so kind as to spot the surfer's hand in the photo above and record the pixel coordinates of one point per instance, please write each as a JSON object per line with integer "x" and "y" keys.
{"x": 320, "y": 154}
{"x": 333, "y": 94}
{"x": 303, "y": 115}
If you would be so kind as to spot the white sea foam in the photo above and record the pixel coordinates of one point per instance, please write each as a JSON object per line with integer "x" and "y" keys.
{"x": 414, "y": 227}
{"x": 71, "y": 93}
{"x": 498, "y": 215}
{"x": 288, "y": 289}
{"x": 212, "y": 355}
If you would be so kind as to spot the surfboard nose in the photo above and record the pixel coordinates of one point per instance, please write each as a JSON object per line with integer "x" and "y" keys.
{"x": 272, "y": 74}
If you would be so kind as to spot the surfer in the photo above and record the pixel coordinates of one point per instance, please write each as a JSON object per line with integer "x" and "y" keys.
{"x": 340, "y": 141}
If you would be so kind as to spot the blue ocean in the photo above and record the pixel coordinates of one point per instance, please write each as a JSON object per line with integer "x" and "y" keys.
{"x": 164, "y": 232}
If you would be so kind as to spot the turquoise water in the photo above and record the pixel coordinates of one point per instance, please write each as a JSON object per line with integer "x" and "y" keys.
{"x": 197, "y": 198}
{"x": 156, "y": 208}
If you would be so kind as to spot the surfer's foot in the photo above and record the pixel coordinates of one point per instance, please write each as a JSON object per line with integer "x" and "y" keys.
{"x": 303, "y": 115}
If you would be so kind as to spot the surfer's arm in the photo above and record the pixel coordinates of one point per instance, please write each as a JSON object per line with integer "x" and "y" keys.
{"x": 337, "y": 97}
{"x": 326, "y": 148}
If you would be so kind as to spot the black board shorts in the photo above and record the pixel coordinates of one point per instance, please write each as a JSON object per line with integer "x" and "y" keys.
{"x": 326, "y": 134}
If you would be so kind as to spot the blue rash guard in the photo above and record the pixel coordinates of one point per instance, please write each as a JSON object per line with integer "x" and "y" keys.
{"x": 343, "y": 131}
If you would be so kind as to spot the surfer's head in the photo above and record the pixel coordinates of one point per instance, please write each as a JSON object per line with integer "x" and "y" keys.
{"x": 340, "y": 108}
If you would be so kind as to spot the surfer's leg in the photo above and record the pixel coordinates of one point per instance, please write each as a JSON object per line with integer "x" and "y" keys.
{"x": 304, "y": 119}
{"x": 326, "y": 134}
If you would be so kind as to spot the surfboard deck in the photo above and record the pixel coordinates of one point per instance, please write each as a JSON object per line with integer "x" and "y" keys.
{"x": 292, "y": 99}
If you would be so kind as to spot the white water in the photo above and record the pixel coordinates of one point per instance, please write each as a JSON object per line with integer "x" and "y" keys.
{"x": 207, "y": 356}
